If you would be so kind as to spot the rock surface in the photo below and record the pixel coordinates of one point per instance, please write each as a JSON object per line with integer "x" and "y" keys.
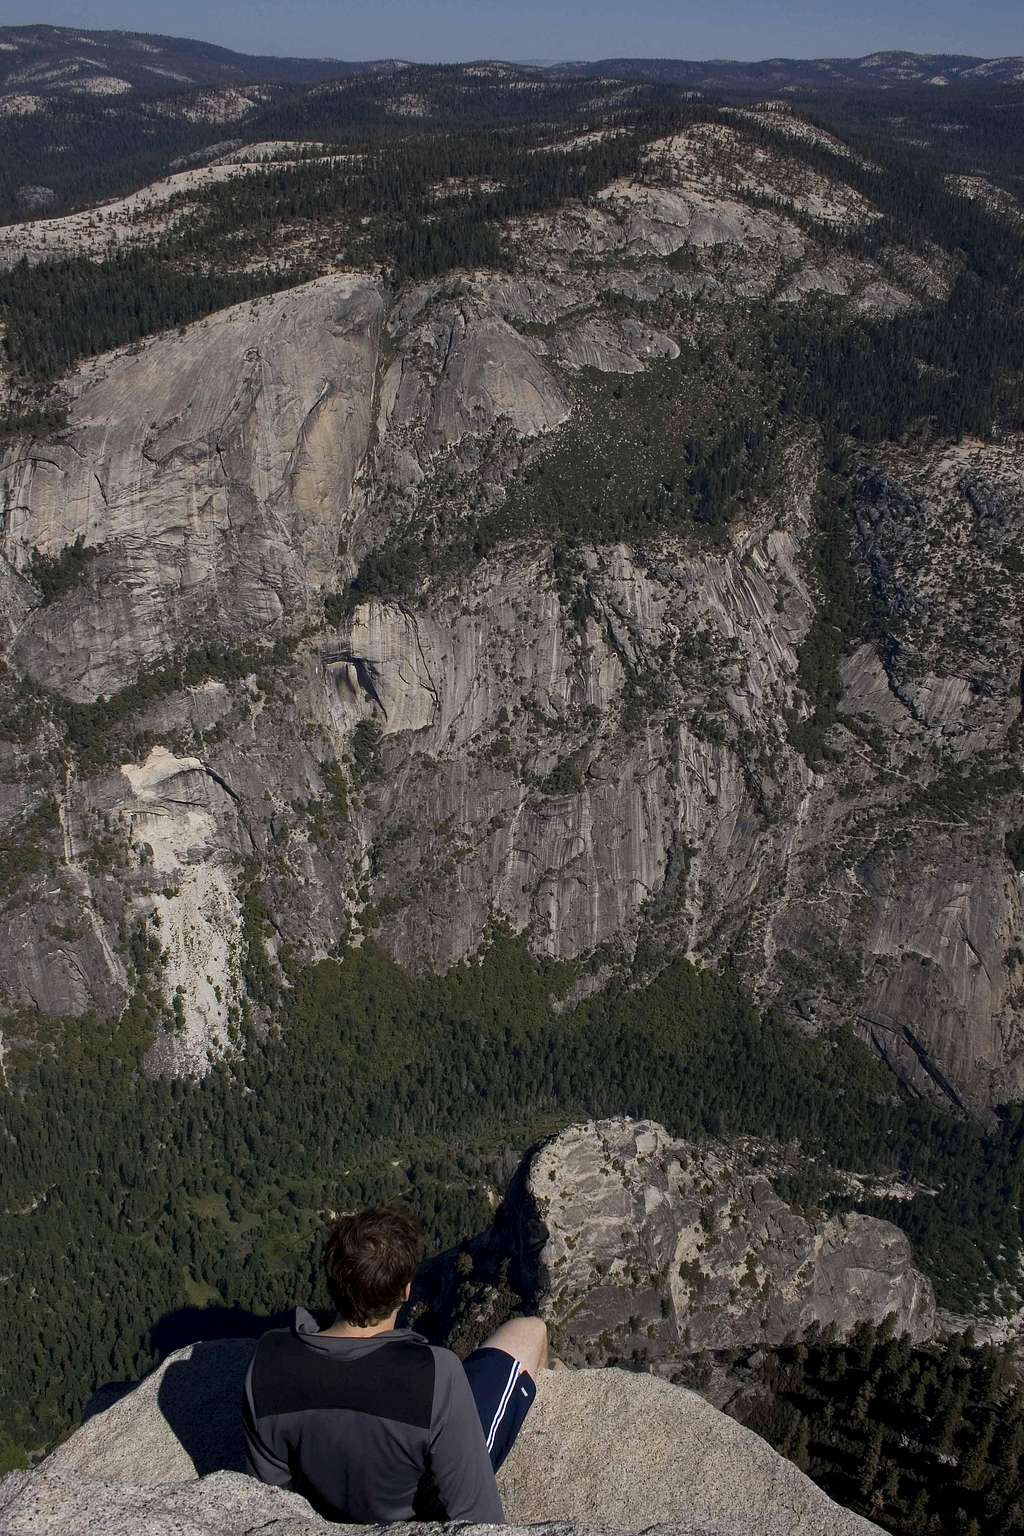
{"x": 602, "y": 1449}
{"x": 649, "y": 1248}
{"x": 593, "y": 747}
{"x": 228, "y": 1504}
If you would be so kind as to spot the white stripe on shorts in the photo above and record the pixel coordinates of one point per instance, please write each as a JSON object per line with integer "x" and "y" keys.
{"x": 512, "y": 1378}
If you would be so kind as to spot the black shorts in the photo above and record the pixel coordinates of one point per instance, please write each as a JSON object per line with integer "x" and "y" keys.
{"x": 503, "y": 1392}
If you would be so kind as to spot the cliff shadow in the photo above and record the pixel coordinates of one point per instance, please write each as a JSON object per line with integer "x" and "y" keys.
{"x": 201, "y": 1398}
{"x": 491, "y": 1276}
{"x": 200, "y": 1325}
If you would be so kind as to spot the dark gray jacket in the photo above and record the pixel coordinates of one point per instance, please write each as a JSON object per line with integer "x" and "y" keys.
{"x": 375, "y": 1429}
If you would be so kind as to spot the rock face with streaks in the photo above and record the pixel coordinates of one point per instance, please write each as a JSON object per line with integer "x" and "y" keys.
{"x": 607, "y": 1449}
{"x": 591, "y": 741}
{"x": 644, "y": 1247}
{"x": 211, "y": 474}
{"x": 580, "y": 816}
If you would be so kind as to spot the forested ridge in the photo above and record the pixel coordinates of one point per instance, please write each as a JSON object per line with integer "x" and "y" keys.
{"x": 383, "y": 207}
{"x": 83, "y": 148}
{"x": 86, "y": 150}
{"x": 424, "y": 203}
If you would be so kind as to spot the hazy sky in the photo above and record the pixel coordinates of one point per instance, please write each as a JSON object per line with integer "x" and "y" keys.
{"x": 556, "y": 29}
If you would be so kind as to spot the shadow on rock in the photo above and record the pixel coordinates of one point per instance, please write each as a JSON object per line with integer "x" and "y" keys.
{"x": 200, "y": 1396}
{"x": 200, "y": 1400}
{"x": 176, "y": 1330}
{"x": 184, "y": 1419}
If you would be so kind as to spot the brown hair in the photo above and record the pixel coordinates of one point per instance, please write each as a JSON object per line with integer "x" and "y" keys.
{"x": 369, "y": 1259}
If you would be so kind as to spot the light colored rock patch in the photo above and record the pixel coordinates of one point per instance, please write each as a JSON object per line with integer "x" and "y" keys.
{"x": 136, "y": 219}
{"x": 409, "y": 104}
{"x": 168, "y": 74}
{"x": 1010, "y": 68}
{"x": 165, "y": 816}
{"x": 883, "y": 298}
{"x": 20, "y": 105}
{"x": 779, "y": 115}
{"x": 601, "y": 343}
{"x": 848, "y": 277}
{"x": 458, "y": 373}
{"x": 652, "y": 220}
{"x": 227, "y": 105}
{"x": 100, "y": 85}
{"x": 721, "y": 160}
{"x": 660, "y": 220}
{"x": 271, "y": 149}
{"x": 196, "y": 914}
{"x": 979, "y": 189}
{"x": 642, "y": 1451}
{"x": 929, "y": 272}
{"x": 200, "y": 930}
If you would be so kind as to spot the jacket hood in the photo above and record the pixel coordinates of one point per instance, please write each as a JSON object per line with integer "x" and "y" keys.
{"x": 305, "y": 1327}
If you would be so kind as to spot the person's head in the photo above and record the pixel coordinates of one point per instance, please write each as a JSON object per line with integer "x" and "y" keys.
{"x": 370, "y": 1258}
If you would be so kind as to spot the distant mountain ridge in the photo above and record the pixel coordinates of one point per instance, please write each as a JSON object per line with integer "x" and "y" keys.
{"x": 47, "y": 60}
{"x": 875, "y": 71}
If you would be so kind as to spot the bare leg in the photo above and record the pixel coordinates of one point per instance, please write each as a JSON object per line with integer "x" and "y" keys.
{"x": 526, "y": 1339}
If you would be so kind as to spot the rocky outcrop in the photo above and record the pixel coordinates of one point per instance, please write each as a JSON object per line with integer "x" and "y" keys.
{"x": 648, "y": 1248}
{"x": 228, "y": 1504}
{"x": 605, "y": 1449}
{"x": 461, "y": 368}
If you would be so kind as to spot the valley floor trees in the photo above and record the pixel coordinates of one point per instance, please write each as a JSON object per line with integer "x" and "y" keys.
{"x": 379, "y": 1086}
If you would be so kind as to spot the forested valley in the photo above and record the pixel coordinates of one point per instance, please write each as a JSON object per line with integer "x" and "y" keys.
{"x": 161, "y": 1196}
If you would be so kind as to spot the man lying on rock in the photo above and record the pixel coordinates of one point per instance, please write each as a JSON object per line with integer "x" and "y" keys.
{"x": 369, "y": 1421}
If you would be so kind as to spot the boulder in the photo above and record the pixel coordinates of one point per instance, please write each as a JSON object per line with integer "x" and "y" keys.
{"x": 229, "y": 1504}
{"x": 601, "y": 1449}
